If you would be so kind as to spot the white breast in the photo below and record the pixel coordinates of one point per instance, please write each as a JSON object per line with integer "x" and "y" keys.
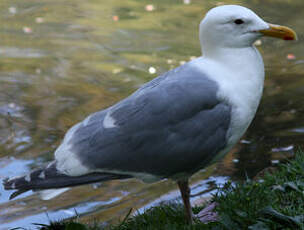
{"x": 240, "y": 78}
{"x": 244, "y": 97}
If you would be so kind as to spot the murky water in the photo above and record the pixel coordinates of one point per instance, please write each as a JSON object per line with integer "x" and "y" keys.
{"x": 60, "y": 61}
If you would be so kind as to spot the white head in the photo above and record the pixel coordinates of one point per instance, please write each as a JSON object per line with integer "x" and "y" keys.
{"x": 230, "y": 26}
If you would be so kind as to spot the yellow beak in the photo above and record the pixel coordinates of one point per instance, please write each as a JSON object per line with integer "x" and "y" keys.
{"x": 278, "y": 31}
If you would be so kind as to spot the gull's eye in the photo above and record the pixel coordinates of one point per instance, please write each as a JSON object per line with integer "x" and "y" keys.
{"x": 238, "y": 21}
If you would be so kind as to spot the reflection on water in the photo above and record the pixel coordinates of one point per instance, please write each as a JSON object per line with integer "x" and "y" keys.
{"x": 45, "y": 216}
{"x": 59, "y": 64}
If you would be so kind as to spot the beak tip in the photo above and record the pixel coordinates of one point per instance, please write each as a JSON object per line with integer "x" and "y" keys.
{"x": 293, "y": 37}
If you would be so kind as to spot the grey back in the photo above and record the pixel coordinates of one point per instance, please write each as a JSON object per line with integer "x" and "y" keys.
{"x": 173, "y": 124}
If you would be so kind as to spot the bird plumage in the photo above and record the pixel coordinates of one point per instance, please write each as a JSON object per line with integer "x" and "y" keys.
{"x": 157, "y": 130}
{"x": 50, "y": 178}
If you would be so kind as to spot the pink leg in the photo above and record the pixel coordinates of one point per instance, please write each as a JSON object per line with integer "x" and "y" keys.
{"x": 185, "y": 192}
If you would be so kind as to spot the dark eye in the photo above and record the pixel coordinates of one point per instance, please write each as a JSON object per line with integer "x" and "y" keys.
{"x": 238, "y": 21}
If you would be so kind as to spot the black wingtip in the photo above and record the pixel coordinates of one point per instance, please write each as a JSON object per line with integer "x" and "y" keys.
{"x": 6, "y": 184}
{"x": 17, "y": 193}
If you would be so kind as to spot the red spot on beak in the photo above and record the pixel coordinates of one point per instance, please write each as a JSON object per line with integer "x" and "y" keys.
{"x": 288, "y": 38}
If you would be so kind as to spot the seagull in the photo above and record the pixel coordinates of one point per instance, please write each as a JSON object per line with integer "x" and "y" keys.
{"x": 174, "y": 125}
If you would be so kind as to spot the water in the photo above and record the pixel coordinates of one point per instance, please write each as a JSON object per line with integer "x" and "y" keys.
{"x": 60, "y": 62}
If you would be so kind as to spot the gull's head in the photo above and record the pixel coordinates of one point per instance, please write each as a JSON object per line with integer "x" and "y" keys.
{"x": 232, "y": 26}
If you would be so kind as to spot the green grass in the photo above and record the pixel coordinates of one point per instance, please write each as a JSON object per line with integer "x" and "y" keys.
{"x": 275, "y": 203}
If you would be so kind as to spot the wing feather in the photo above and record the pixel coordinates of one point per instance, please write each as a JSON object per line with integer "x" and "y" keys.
{"x": 173, "y": 124}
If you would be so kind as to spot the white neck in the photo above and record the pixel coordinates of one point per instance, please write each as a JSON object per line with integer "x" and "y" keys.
{"x": 243, "y": 65}
{"x": 235, "y": 57}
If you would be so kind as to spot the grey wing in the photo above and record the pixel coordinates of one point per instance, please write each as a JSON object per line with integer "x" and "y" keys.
{"x": 174, "y": 124}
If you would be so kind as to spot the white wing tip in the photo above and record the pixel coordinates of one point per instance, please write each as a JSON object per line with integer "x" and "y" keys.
{"x": 51, "y": 193}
